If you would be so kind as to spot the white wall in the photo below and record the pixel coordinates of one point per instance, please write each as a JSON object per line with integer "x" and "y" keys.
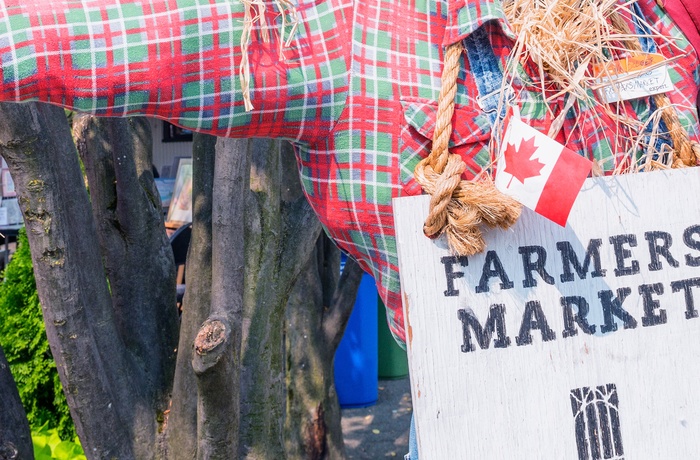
{"x": 165, "y": 152}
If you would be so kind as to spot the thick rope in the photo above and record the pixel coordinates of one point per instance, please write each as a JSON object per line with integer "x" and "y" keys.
{"x": 458, "y": 207}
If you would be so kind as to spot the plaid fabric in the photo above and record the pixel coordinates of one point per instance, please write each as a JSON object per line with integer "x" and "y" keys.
{"x": 177, "y": 60}
{"x": 356, "y": 91}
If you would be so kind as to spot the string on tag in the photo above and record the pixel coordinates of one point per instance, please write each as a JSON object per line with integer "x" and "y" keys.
{"x": 458, "y": 208}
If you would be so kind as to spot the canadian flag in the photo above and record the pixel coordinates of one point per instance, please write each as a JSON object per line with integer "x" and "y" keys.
{"x": 539, "y": 172}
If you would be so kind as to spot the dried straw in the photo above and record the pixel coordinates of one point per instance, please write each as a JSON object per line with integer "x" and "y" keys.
{"x": 564, "y": 39}
{"x": 287, "y": 11}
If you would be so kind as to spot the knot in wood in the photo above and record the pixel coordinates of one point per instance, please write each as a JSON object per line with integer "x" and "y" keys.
{"x": 8, "y": 451}
{"x": 211, "y": 335}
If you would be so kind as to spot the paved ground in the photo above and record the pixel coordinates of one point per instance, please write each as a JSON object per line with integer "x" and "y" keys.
{"x": 380, "y": 431}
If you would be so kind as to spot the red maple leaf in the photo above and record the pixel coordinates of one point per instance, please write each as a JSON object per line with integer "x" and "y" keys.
{"x": 518, "y": 162}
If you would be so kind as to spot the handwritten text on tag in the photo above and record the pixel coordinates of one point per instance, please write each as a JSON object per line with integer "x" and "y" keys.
{"x": 633, "y": 78}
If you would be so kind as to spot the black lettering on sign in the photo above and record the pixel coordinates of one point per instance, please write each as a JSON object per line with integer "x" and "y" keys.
{"x": 450, "y": 274}
{"x": 686, "y": 286}
{"x": 622, "y": 253}
{"x": 613, "y": 307}
{"x": 651, "y": 318}
{"x": 569, "y": 259}
{"x": 692, "y": 243}
{"x": 533, "y": 318}
{"x": 659, "y": 244}
{"x": 597, "y": 422}
{"x": 494, "y": 322}
{"x": 492, "y": 267}
{"x": 571, "y": 318}
{"x": 536, "y": 265}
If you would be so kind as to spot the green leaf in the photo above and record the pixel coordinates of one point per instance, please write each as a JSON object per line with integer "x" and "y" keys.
{"x": 67, "y": 450}
{"x": 49, "y": 446}
{"x": 42, "y": 453}
{"x": 54, "y": 440}
{"x": 40, "y": 442}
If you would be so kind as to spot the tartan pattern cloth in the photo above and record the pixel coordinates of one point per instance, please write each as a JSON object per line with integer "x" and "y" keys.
{"x": 176, "y": 60}
{"x": 356, "y": 91}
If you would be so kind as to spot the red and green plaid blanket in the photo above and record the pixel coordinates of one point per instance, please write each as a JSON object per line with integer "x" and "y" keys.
{"x": 355, "y": 90}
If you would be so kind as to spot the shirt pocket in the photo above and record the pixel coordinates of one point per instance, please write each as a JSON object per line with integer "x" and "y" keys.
{"x": 471, "y": 131}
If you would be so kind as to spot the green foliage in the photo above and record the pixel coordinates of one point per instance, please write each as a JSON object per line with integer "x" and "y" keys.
{"x": 23, "y": 338}
{"x": 48, "y": 446}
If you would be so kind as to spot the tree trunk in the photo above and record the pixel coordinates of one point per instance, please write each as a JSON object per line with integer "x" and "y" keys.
{"x": 204, "y": 422}
{"x": 182, "y": 421}
{"x": 114, "y": 354}
{"x": 92, "y": 363}
{"x": 109, "y": 302}
{"x": 281, "y": 232}
{"x": 137, "y": 258}
{"x": 280, "y": 229}
{"x": 317, "y": 314}
{"x": 15, "y": 437}
{"x": 217, "y": 347}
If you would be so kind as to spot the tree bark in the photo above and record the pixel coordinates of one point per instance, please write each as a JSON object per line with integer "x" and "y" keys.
{"x": 15, "y": 437}
{"x": 217, "y": 347}
{"x": 336, "y": 318}
{"x": 182, "y": 419}
{"x": 281, "y": 232}
{"x": 317, "y": 314}
{"x": 137, "y": 258}
{"x": 96, "y": 372}
{"x": 113, "y": 333}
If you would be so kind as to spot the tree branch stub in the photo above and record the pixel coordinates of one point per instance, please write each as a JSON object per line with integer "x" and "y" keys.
{"x": 210, "y": 344}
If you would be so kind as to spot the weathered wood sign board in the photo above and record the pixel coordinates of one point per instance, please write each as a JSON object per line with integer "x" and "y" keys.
{"x": 561, "y": 343}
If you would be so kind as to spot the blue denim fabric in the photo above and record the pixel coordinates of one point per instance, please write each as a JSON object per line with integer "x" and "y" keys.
{"x": 412, "y": 442}
{"x": 646, "y": 37}
{"x": 485, "y": 67}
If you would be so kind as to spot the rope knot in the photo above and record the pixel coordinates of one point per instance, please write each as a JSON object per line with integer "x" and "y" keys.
{"x": 441, "y": 187}
{"x": 458, "y": 208}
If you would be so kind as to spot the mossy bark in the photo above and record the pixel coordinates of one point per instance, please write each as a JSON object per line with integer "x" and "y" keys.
{"x": 316, "y": 316}
{"x": 96, "y": 370}
{"x": 281, "y": 231}
{"x": 105, "y": 278}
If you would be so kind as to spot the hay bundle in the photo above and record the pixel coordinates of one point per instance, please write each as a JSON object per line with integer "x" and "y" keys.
{"x": 564, "y": 36}
{"x": 565, "y": 39}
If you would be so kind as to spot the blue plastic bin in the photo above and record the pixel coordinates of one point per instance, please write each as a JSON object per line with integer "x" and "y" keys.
{"x": 355, "y": 367}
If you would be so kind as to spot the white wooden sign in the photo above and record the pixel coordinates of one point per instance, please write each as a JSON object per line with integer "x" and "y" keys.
{"x": 561, "y": 343}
